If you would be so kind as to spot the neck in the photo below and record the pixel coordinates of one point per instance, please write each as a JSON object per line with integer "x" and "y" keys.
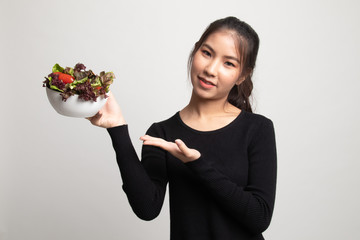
{"x": 205, "y": 107}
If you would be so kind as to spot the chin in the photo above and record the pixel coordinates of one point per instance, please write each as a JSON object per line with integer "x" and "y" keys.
{"x": 204, "y": 95}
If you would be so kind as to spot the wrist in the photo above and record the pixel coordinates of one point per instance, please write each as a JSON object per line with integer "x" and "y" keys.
{"x": 118, "y": 122}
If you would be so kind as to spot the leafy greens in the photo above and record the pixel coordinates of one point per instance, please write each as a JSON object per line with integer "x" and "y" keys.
{"x": 86, "y": 84}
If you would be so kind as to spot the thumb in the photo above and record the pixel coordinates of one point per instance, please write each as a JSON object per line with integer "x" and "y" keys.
{"x": 95, "y": 120}
{"x": 189, "y": 153}
{"x": 181, "y": 145}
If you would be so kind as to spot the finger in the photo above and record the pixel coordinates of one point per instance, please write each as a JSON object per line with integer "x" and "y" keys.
{"x": 145, "y": 137}
{"x": 150, "y": 138}
{"x": 183, "y": 148}
{"x": 161, "y": 143}
{"x": 189, "y": 153}
{"x": 95, "y": 119}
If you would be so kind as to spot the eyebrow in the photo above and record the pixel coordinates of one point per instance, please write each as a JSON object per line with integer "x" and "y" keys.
{"x": 228, "y": 57}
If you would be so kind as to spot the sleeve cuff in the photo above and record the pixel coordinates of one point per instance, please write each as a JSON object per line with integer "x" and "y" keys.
{"x": 119, "y": 134}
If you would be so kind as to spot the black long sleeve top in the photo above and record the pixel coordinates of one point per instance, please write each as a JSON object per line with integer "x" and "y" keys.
{"x": 228, "y": 193}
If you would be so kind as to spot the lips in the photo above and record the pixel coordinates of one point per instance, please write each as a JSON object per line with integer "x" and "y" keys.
{"x": 206, "y": 83}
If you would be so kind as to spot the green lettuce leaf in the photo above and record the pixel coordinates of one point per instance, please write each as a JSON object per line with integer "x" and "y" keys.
{"x": 76, "y": 82}
{"x": 107, "y": 79}
{"x": 96, "y": 82}
{"x": 57, "y": 68}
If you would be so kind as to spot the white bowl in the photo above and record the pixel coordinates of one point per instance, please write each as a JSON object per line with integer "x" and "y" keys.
{"x": 74, "y": 107}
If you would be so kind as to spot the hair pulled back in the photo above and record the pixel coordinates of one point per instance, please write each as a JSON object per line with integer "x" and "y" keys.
{"x": 248, "y": 46}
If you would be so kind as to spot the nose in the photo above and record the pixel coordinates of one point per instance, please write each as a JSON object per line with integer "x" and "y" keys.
{"x": 211, "y": 68}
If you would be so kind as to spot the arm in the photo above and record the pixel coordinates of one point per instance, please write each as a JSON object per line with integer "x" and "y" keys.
{"x": 144, "y": 182}
{"x": 251, "y": 205}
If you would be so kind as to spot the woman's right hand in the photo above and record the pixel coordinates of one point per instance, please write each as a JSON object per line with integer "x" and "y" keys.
{"x": 109, "y": 115}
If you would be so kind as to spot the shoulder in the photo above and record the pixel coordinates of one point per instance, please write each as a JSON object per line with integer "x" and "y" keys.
{"x": 256, "y": 120}
{"x": 257, "y": 125}
{"x": 260, "y": 127}
{"x": 159, "y": 128}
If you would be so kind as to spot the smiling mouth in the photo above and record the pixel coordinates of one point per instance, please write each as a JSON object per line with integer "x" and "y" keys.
{"x": 206, "y": 83}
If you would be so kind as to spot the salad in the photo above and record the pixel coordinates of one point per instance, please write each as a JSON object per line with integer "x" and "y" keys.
{"x": 70, "y": 81}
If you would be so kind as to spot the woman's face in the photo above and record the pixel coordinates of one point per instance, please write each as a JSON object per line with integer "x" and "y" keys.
{"x": 216, "y": 66}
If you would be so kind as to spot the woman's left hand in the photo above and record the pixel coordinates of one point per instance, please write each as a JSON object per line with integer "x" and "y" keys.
{"x": 178, "y": 148}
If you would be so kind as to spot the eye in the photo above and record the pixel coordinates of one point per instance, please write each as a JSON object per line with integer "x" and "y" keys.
{"x": 230, "y": 64}
{"x": 206, "y": 53}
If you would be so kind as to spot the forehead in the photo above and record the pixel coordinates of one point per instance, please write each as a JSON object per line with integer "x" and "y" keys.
{"x": 224, "y": 42}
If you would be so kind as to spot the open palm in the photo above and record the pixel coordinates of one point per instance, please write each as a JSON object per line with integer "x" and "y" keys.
{"x": 178, "y": 148}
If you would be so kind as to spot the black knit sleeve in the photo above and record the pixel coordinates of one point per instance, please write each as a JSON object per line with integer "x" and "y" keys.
{"x": 251, "y": 205}
{"x": 144, "y": 182}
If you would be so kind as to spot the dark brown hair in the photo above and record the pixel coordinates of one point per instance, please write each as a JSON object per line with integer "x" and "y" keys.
{"x": 248, "y": 44}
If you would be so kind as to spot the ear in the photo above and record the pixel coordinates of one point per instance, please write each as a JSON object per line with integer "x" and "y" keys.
{"x": 243, "y": 77}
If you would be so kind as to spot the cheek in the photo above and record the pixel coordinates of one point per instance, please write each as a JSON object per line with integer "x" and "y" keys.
{"x": 193, "y": 72}
{"x": 199, "y": 62}
{"x": 230, "y": 77}
{"x": 196, "y": 64}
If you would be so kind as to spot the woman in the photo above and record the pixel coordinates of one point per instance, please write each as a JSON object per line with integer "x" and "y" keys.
{"x": 218, "y": 157}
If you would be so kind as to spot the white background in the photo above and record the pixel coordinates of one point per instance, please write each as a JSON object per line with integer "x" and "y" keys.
{"x": 58, "y": 175}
